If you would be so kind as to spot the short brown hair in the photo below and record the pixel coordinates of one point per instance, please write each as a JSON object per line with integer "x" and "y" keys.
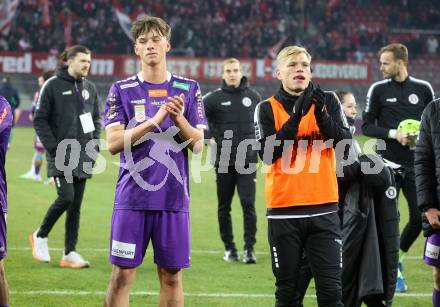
{"x": 71, "y": 52}
{"x": 399, "y": 51}
{"x": 145, "y": 24}
{"x": 229, "y": 61}
{"x": 292, "y": 50}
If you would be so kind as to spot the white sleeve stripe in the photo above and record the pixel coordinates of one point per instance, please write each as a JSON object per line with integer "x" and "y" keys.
{"x": 370, "y": 91}
{"x": 113, "y": 124}
{"x": 425, "y": 83}
{"x": 257, "y": 125}
{"x": 37, "y": 105}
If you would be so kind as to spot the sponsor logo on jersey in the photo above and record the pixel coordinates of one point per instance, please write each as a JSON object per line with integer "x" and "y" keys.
{"x": 123, "y": 250}
{"x": 158, "y": 103}
{"x": 225, "y": 103}
{"x": 158, "y": 93}
{"x": 85, "y": 93}
{"x": 247, "y": 102}
{"x": 413, "y": 98}
{"x": 139, "y": 113}
{"x": 394, "y": 99}
{"x": 199, "y": 103}
{"x": 128, "y": 85}
{"x": 138, "y": 101}
{"x": 69, "y": 92}
{"x": 182, "y": 86}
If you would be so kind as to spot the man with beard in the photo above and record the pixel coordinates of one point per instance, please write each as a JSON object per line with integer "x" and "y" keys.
{"x": 397, "y": 98}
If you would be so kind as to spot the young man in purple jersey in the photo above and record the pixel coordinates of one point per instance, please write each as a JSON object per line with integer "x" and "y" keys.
{"x": 6, "y": 119}
{"x": 150, "y": 120}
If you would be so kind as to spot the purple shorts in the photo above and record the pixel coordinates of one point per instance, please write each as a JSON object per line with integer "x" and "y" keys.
{"x": 432, "y": 248}
{"x": 132, "y": 230}
{"x": 2, "y": 235}
{"x": 37, "y": 144}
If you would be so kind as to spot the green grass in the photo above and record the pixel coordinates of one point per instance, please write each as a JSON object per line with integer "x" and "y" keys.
{"x": 208, "y": 276}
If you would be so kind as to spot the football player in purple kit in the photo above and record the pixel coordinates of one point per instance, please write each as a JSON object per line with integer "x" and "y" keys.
{"x": 150, "y": 119}
{"x": 5, "y": 130}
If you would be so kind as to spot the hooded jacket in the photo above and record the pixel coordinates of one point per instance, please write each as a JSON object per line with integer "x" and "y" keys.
{"x": 57, "y": 119}
{"x": 232, "y": 108}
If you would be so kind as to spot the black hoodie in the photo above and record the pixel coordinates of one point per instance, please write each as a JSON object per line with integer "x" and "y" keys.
{"x": 232, "y": 108}
{"x": 57, "y": 119}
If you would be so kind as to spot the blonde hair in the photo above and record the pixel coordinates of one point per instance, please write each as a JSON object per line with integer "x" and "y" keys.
{"x": 229, "y": 61}
{"x": 289, "y": 51}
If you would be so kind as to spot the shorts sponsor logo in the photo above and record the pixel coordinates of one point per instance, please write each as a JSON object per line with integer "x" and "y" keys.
{"x": 432, "y": 251}
{"x": 139, "y": 113}
{"x": 413, "y": 98}
{"x": 247, "y": 102}
{"x": 225, "y": 103}
{"x": 67, "y": 93}
{"x": 123, "y": 250}
{"x": 182, "y": 86}
{"x": 158, "y": 93}
{"x": 129, "y": 85}
{"x": 391, "y": 192}
{"x": 392, "y": 99}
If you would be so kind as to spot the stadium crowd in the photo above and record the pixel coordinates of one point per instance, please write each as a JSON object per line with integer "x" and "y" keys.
{"x": 333, "y": 30}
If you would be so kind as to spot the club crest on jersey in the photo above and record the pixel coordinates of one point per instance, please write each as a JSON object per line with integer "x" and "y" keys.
{"x": 182, "y": 86}
{"x": 139, "y": 113}
{"x": 85, "y": 93}
{"x": 413, "y": 98}
{"x": 247, "y": 102}
{"x": 158, "y": 93}
{"x": 391, "y": 192}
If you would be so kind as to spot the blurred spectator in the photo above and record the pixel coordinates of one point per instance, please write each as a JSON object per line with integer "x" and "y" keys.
{"x": 432, "y": 44}
{"x": 331, "y": 30}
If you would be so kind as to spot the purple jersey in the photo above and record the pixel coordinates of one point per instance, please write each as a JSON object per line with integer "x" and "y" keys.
{"x": 5, "y": 130}
{"x": 154, "y": 173}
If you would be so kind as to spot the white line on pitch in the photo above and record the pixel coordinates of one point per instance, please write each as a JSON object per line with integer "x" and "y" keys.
{"x": 194, "y": 251}
{"x": 189, "y": 294}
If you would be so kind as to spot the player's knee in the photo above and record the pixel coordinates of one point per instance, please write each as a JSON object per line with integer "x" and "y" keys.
{"x": 65, "y": 199}
{"x": 170, "y": 278}
{"x": 122, "y": 278}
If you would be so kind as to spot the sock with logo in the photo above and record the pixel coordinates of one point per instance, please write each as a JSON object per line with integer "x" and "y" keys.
{"x": 435, "y": 298}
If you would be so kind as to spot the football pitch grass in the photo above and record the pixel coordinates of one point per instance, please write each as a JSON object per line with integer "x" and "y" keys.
{"x": 209, "y": 282}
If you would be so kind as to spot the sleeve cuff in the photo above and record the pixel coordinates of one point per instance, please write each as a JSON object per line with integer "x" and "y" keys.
{"x": 392, "y": 134}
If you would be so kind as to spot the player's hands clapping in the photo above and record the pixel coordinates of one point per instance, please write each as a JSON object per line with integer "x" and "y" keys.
{"x": 161, "y": 114}
{"x": 318, "y": 97}
{"x": 175, "y": 106}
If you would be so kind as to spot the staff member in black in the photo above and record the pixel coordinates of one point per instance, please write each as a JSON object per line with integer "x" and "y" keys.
{"x": 229, "y": 111}
{"x": 67, "y": 110}
{"x": 389, "y": 102}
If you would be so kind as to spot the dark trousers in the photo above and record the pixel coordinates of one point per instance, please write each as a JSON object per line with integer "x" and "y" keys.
{"x": 69, "y": 200}
{"x": 246, "y": 185}
{"x": 412, "y": 229}
{"x": 320, "y": 237}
